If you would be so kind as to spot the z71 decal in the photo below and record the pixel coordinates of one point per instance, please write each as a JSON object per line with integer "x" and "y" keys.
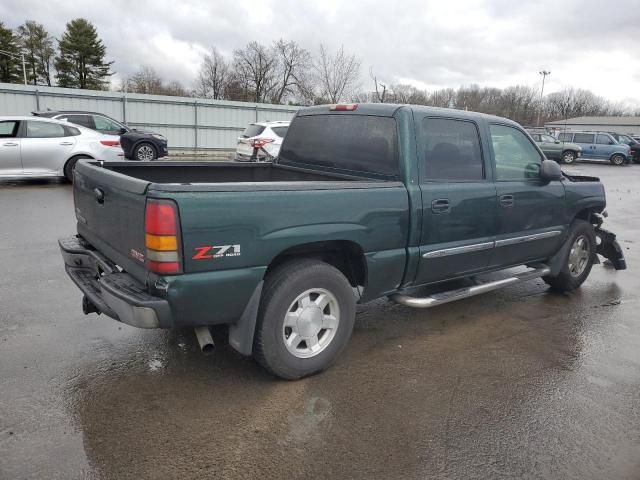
{"x": 219, "y": 251}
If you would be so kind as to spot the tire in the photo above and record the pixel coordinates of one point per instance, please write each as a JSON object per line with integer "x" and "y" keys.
{"x": 70, "y": 166}
{"x": 576, "y": 266}
{"x": 145, "y": 151}
{"x": 618, "y": 159}
{"x": 568, "y": 157}
{"x": 281, "y": 346}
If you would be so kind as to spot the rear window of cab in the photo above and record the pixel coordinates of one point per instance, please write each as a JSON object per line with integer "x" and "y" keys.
{"x": 359, "y": 143}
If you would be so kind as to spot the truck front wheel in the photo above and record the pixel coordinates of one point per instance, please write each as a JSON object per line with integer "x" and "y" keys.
{"x": 305, "y": 319}
{"x": 579, "y": 260}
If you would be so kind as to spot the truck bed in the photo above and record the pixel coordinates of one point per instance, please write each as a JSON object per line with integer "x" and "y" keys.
{"x": 220, "y": 172}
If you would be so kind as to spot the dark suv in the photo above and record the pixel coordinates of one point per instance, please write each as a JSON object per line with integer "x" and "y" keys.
{"x": 137, "y": 144}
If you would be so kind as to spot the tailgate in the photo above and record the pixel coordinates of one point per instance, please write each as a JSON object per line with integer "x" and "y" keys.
{"x": 110, "y": 210}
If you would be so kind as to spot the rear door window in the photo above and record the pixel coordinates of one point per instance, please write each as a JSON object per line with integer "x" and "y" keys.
{"x": 359, "y": 143}
{"x": 583, "y": 138}
{"x": 44, "y": 130}
{"x": 252, "y": 131}
{"x": 450, "y": 150}
{"x": 565, "y": 137}
{"x": 9, "y": 129}
{"x": 280, "y": 131}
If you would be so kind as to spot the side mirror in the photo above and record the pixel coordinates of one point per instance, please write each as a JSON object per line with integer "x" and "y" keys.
{"x": 550, "y": 171}
{"x": 557, "y": 141}
{"x": 122, "y": 131}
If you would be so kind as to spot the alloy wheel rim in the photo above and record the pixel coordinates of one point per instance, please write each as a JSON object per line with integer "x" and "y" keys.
{"x": 568, "y": 158}
{"x": 579, "y": 256}
{"x": 145, "y": 153}
{"x": 310, "y": 323}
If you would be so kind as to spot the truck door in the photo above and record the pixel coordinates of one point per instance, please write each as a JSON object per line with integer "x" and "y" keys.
{"x": 530, "y": 210}
{"x": 458, "y": 199}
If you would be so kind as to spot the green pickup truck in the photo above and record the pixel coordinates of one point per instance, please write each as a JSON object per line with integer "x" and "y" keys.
{"x": 365, "y": 201}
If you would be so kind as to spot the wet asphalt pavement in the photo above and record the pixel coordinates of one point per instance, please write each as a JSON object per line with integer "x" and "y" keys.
{"x": 517, "y": 383}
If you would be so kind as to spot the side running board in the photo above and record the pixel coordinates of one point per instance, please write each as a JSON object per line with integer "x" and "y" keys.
{"x": 466, "y": 292}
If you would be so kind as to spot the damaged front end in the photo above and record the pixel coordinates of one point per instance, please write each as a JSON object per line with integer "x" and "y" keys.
{"x": 608, "y": 246}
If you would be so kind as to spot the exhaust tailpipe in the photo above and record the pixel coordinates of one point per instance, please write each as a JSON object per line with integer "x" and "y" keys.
{"x": 204, "y": 339}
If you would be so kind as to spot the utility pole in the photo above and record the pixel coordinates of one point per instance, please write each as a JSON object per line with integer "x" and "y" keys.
{"x": 18, "y": 57}
{"x": 544, "y": 74}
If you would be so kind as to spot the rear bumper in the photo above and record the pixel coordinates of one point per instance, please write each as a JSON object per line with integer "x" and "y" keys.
{"x": 116, "y": 294}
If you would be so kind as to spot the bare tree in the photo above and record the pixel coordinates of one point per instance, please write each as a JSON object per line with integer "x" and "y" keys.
{"x": 294, "y": 62}
{"x": 215, "y": 75}
{"x": 338, "y": 74}
{"x": 145, "y": 80}
{"x": 381, "y": 88}
{"x": 402, "y": 93}
{"x": 256, "y": 69}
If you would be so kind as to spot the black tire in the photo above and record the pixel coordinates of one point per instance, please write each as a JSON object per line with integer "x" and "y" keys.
{"x": 145, "y": 151}
{"x": 569, "y": 279}
{"x": 618, "y": 159}
{"x": 71, "y": 165}
{"x": 568, "y": 157}
{"x": 282, "y": 288}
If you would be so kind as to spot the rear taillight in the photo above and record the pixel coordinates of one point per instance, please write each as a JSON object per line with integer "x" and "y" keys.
{"x": 110, "y": 143}
{"x": 343, "y": 107}
{"x": 260, "y": 142}
{"x": 162, "y": 227}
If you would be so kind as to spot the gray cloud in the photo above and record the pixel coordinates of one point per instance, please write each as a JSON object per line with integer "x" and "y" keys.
{"x": 585, "y": 43}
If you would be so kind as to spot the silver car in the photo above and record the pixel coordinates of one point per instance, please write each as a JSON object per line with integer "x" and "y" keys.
{"x": 38, "y": 147}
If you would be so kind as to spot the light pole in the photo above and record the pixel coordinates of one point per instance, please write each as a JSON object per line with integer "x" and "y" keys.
{"x": 21, "y": 56}
{"x": 544, "y": 74}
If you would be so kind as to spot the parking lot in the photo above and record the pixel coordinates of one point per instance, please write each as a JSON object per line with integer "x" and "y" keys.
{"x": 518, "y": 383}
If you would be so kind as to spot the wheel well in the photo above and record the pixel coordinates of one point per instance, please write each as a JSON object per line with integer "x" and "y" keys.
{"x": 346, "y": 256}
{"x": 586, "y": 214}
{"x": 77, "y": 157}
{"x": 569, "y": 150}
{"x": 144, "y": 140}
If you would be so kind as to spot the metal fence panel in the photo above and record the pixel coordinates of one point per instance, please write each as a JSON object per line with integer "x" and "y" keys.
{"x": 188, "y": 123}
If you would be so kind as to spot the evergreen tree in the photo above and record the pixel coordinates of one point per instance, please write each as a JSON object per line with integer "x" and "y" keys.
{"x": 37, "y": 47}
{"x": 10, "y": 63}
{"x": 80, "y": 62}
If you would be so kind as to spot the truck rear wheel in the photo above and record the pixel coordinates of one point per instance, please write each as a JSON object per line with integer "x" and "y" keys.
{"x": 577, "y": 265}
{"x": 305, "y": 319}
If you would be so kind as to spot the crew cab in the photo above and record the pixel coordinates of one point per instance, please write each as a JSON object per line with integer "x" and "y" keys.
{"x": 364, "y": 201}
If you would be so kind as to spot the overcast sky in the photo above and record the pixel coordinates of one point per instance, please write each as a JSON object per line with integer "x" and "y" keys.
{"x": 428, "y": 43}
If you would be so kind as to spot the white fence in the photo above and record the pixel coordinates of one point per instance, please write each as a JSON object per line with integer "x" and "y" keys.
{"x": 190, "y": 124}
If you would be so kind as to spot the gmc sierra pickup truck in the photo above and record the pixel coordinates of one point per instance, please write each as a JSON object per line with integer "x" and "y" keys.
{"x": 365, "y": 201}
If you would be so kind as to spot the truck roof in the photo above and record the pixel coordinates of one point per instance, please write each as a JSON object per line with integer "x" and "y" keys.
{"x": 389, "y": 110}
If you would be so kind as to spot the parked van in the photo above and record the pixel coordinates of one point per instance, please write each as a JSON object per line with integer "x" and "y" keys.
{"x": 598, "y": 146}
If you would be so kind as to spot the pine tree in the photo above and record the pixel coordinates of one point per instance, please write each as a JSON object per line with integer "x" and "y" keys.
{"x": 80, "y": 62}
{"x": 37, "y": 47}
{"x": 10, "y": 64}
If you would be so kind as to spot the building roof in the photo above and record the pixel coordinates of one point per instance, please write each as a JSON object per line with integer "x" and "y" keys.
{"x": 587, "y": 121}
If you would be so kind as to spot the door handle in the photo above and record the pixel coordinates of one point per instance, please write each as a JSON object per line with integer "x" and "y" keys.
{"x": 99, "y": 194}
{"x": 66, "y": 143}
{"x": 440, "y": 205}
{"x": 507, "y": 200}
{"x": 10, "y": 144}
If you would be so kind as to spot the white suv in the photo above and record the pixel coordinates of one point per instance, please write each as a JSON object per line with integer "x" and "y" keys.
{"x": 261, "y": 141}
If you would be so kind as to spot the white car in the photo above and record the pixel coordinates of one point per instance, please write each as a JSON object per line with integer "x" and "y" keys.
{"x": 40, "y": 147}
{"x": 261, "y": 141}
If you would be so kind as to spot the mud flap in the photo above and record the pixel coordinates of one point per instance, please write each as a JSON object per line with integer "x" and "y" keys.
{"x": 610, "y": 249}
